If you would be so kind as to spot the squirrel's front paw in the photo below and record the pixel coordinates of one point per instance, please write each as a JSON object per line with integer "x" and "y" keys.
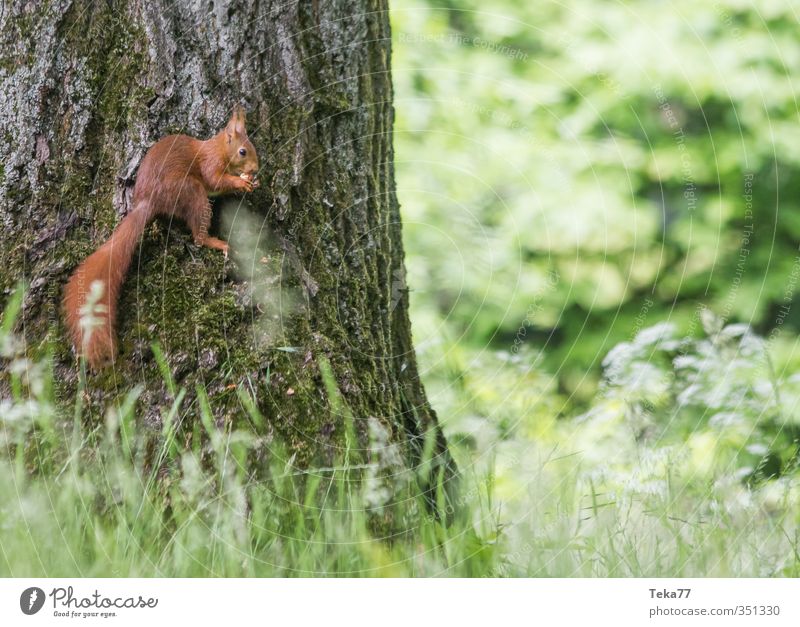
{"x": 249, "y": 182}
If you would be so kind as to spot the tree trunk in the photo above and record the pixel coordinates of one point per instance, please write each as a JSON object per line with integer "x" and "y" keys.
{"x": 316, "y": 274}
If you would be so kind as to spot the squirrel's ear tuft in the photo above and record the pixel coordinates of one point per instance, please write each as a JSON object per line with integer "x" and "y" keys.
{"x": 236, "y": 123}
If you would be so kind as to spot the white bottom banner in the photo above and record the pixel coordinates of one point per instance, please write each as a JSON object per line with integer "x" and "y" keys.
{"x": 406, "y": 602}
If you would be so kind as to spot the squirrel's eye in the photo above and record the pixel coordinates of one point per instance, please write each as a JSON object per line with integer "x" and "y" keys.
{"x": 242, "y": 151}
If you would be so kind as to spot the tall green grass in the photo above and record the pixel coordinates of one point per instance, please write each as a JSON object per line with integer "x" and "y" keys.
{"x": 538, "y": 498}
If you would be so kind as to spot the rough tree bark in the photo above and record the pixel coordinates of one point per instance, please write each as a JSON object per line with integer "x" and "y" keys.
{"x": 317, "y": 272}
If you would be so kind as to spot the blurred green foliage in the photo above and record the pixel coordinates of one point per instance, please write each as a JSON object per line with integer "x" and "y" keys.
{"x": 572, "y": 172}
{"x": 600, "y": 206}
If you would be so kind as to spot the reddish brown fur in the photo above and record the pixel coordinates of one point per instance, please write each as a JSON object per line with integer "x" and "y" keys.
{"x": 175, "y": 178}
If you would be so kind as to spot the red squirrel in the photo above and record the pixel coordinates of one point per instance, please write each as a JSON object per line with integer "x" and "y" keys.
{"x": 176, "y": 177}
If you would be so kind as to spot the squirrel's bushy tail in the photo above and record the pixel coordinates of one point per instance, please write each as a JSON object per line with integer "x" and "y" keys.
{"x": 107, "y": 265}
